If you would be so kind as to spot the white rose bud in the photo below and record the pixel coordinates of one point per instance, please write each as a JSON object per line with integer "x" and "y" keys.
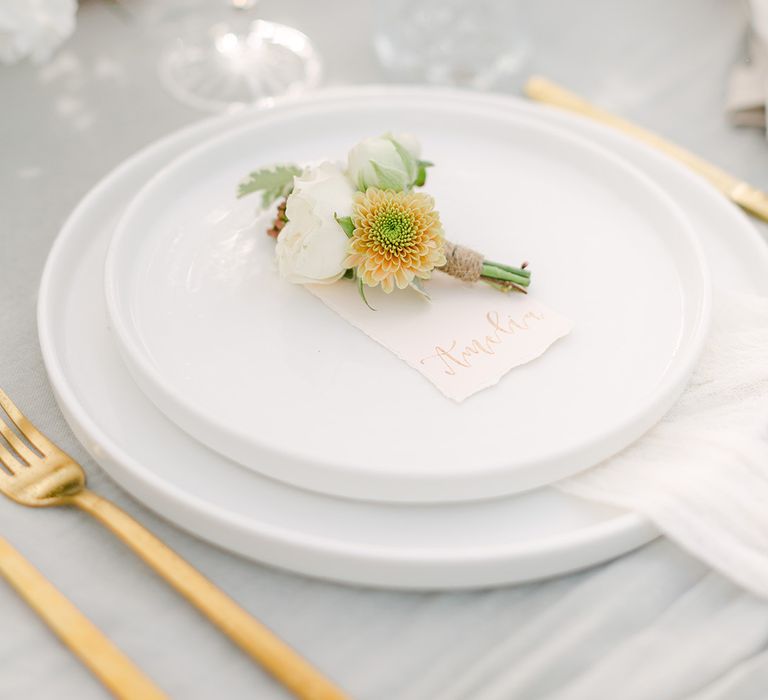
{"x": 388, "y": 162}
{"x": 312, "y": 246}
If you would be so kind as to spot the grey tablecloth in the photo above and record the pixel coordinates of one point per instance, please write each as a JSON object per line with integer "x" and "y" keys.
{"x": 652, "y": 625}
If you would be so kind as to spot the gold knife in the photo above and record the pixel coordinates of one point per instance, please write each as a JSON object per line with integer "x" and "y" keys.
{"x": 742, "y": 193}
{"x": 115, "y": 670}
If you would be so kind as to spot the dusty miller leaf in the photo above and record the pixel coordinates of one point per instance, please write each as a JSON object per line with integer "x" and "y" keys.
{"x": 274, "y": 183}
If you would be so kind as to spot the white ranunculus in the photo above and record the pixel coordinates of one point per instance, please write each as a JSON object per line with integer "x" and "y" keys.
{"x": 312, "y": 246}
{"x": 34, "y": 28}
{"x": 389, "y": 162}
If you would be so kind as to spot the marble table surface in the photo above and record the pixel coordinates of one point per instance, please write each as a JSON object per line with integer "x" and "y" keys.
{"x": 654, "y": 624}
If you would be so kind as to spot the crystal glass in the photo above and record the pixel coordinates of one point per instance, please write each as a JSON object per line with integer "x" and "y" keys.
{"x": 472, "y": 43}
{"x": 218, "y": 54}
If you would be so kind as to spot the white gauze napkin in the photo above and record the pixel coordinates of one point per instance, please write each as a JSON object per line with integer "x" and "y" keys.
{"x": 701, "y": 474}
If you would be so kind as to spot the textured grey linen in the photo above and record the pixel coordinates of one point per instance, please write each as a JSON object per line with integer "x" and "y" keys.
{"x": 653, "y": 625}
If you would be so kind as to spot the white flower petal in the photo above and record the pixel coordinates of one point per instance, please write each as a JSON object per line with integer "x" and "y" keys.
{"x": 312, "y": 246}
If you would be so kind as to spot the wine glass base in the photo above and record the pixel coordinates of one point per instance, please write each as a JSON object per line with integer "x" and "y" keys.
{"x": 223, "y": 67}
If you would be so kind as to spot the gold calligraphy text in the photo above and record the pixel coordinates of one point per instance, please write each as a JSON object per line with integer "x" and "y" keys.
{"x": 454, "y": 359}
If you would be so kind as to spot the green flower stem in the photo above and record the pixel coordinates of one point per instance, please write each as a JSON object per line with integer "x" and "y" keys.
{"x": 491, "y": 271}
{"x": 514, "y": 270}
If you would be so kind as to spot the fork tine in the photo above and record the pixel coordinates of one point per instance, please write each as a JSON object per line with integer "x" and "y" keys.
{"x": 29, "y": 431}
{"x": 9, "y": 461}
{"x": 16, "y": 443}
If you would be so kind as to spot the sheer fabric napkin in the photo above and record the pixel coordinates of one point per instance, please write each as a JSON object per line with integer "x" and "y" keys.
{"x": 701, "y": 474}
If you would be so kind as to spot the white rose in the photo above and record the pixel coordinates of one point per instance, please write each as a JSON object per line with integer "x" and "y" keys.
{"x": 34, "y": 28}
{"x": 312, "y": 245}
{"x": 389, "y": 162}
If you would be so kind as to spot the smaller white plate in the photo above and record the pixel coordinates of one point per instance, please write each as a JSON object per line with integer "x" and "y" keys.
{"x": 264, "y": 373}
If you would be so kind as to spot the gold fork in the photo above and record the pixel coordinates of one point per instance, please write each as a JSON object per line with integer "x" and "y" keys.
{"x": 47, "y": 476}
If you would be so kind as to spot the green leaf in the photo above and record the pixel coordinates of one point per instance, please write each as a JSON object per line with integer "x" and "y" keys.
{"x": 421, "y": 177}
{"x": 362, "y": 293}
{"x": 409, "y": 162}
{"x": 349, "y": 274}
{"x": 417, "y": 284}
{"x": 389, "y": 178}
{"x": 346, "y": 224}
{"x": 421, "y": 172}
{"x": 274, "y": 183}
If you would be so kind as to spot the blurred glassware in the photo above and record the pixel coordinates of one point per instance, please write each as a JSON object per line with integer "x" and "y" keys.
{"x": 471, "y": 43}
{"x": 217, "y": 55}
{"x": 34, "y": 30}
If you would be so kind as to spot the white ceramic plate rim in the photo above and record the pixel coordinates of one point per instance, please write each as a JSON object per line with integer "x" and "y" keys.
{"x": 345, "y": 479}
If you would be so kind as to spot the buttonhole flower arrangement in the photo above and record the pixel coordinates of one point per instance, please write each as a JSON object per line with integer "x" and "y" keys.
{"x": 368, "y": 221}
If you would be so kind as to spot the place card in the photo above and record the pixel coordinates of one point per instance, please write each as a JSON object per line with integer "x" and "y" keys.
{"x": 465, "y": 339}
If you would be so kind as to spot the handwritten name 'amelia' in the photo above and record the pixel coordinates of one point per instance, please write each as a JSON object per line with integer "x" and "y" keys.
{"x": 455, "y": 359}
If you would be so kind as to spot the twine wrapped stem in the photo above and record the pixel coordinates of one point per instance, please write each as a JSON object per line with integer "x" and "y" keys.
{"x": 470, "y": 266}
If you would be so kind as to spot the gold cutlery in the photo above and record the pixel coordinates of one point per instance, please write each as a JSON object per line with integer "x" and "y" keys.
{"x": 40, "y": 474}
{"x": 742, "y": 193}
{"x": 115, "y": 670}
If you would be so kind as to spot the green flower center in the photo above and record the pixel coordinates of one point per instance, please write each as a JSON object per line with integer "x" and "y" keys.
{"x": 393, "y": 229}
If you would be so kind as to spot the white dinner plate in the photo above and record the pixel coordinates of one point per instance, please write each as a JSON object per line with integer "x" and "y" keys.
{"x": 264, "y": 373}
{"x": 513, "y": 539}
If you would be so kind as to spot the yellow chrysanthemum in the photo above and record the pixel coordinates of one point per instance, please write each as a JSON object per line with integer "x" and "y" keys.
{"x": 398, "y": 236}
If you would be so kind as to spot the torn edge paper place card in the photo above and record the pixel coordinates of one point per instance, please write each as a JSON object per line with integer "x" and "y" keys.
{"x": 465, "y": 339}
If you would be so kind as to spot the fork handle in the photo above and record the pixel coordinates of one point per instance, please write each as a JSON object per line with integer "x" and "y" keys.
{"x": 115, "y": 670}
{"x": 255, "y": 639}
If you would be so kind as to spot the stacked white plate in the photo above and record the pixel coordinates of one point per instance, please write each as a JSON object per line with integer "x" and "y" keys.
{"x": 242, "y": 409}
